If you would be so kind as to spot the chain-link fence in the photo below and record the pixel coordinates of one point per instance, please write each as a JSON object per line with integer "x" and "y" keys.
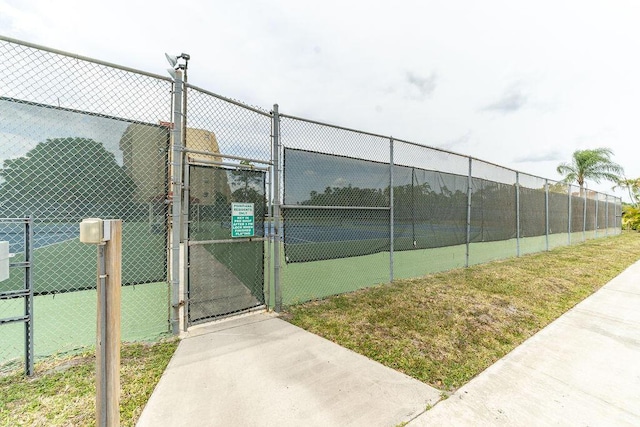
{"x": 80, "y": 138}
{"x": 362, "y": 209}
{"x": 229, "y": 208}
{"x": 228, "y": 153}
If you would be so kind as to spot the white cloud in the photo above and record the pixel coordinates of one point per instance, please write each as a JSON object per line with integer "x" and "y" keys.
{"x": 340, "y": 182}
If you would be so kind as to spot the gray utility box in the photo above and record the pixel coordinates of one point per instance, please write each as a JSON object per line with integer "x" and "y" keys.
{"x": 4, "y": 260}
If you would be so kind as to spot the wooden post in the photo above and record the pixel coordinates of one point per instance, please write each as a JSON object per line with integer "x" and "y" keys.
{"x": 108, "y": 336}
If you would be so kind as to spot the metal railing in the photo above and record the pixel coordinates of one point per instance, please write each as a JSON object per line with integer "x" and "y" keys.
{"x": 25, "y": 293}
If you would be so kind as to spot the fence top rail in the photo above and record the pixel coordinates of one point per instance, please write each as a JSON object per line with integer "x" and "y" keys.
{"x": 84, "y": 58}
{"x": 229, "y": 100}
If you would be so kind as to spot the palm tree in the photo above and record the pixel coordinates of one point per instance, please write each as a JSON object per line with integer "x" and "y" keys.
{"x": 633, "y": 187}
{"x": 595, "y": 165}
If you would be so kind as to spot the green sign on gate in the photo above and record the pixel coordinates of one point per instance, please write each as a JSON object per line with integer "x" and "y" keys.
{"x": 242, "y": 220}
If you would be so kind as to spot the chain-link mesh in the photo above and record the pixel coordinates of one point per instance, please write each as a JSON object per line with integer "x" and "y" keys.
{"x": 80, "y": 139}
{"x": 601, "y": 221}
{"x": 447, "y": 211}
{"x": 493, "y": 217}
{"x": 615, "y": 216}
{"x": 224, "y": 141}
{"x": 223, "y": 126}
{"x": 336, "y": 210}
{"x": 430, "y": 209}
{"x": 533, "y": 213}
{"x": 590, "y": 223}
{"x": 578, "y": 205}
{"x": 224, "y": 277}
{"x": 319, "y": 188}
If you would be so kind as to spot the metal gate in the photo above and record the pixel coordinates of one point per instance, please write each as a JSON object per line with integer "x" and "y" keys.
{"x": 18, "y": 233}
{"x": 226, "y": 238}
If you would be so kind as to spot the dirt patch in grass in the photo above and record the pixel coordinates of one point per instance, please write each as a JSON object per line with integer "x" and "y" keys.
{"x": 445, "y": 328}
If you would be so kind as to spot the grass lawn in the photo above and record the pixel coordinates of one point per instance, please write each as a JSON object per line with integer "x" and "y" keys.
{"x": 62, "y": 391}
{"x": 447, "y": 327}
{"x": 442, "y": 328}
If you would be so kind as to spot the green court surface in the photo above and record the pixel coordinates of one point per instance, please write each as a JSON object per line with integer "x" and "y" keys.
{"x": 71, "y": 265}
{"x": 67, "y": 322}
{"x": 65, "y": 317}
{"x": 243, "y": 259}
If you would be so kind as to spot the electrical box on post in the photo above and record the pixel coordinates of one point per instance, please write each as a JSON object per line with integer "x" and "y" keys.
{"x": 4, "y": 260}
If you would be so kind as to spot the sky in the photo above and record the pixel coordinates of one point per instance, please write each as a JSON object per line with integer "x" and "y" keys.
{"x": 520, "y": 84}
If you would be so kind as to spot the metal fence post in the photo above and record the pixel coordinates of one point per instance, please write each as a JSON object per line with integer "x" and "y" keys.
{"x": 619, "y": 215}
{"x": 186, "y": 197}
{"x": 546, "y": 212}
{"x": 391, "y": 231}
{"x": 468, "y": 241}
{"x": 276, "y": 209}
{"x": 595, "y": 227}
{"x": 176, "y": 200}
{"x": 269, "y": 227}
{"x": 184, "y": 237}
{"x": 606, "y": 215}
{"x": 518, "y": 214}
{"x": 569, "y": 215}
{"x": 584, "y": 219}
{"x": 28, "y": 303}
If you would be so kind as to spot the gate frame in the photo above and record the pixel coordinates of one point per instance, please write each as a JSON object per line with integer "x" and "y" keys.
{"x": 187, "y": 163}
{"x": 26, "y": 292}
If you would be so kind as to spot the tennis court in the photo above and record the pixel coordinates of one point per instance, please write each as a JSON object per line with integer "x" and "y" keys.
{"x": 64, "y": 276}
{"x": 67, "y": 322}
{"x": 63, "y": 264}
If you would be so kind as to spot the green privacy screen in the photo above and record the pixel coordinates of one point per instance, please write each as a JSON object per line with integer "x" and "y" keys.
{"x": 337, "y": 207}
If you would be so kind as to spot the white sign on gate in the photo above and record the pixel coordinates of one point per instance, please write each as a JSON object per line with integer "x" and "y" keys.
{"x": 242, "y": 220}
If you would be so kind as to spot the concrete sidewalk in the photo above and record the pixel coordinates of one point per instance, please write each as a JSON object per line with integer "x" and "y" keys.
{"x": 259, "y": 370}
{"x": 583, "y": 369}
